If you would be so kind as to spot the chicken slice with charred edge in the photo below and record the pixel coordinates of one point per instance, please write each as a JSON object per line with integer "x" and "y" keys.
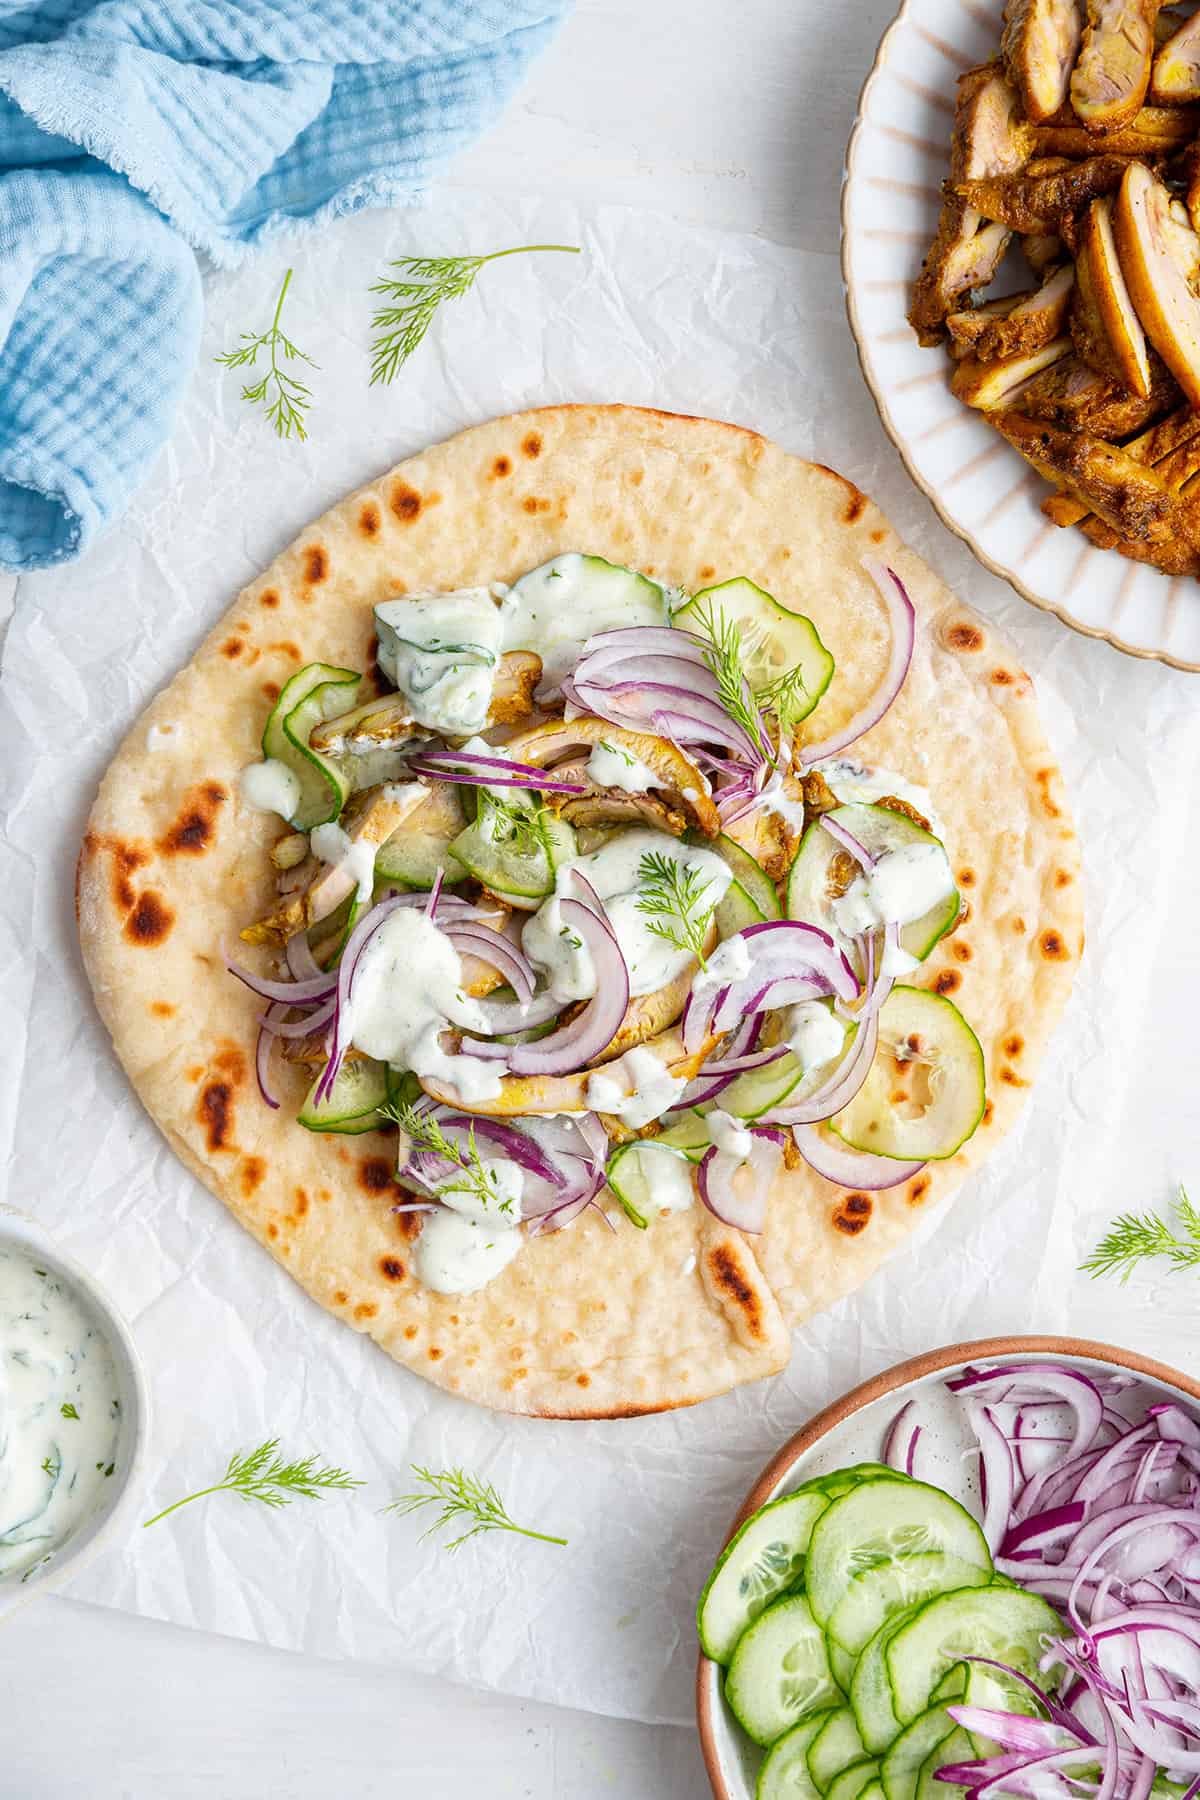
{"x": 1043, "y": 204}
{"x": 968, "y": 327}
{"x": 1123, "y": 492}
{"x": 990, "y": 139}
{"x": 1039, "y": 45}
{"x": 1153, "y": 132}
{"x": 1112, "y": 71}
{"x": 678, "y": 800}
{"x": 1152, "y": 448}
{"x": 988, "y": 385}
{"x": 1147, "y": 239}
{"x": 1175, "y": 76}
{"x": 1075, "y": 397}
{"x": 1104, "y": 326}
{"x": 1032, "y": 321}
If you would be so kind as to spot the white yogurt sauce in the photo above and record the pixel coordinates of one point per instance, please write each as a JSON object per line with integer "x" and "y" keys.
{"x": 904, "y": 884}
{"x": 442, "y": 651}
{"x": 270, "y": 787}
{"x": 813, "y": 1033}
{"x": 613, "y": 871}
{"x": 729, "y": 1134}
{"x": 897, "y": 962}
{"x": 775, "y": 798}
{"x": 611, "y": 767}
{"x": 457, "y": 1255}
{"x": 672, "y": 1186}
{"x": 330, "y": 844}
{"x": 555, "y": 609}
{"x": 407, "y": 990}
{"x": 59, "y": 1413}
{"x": 507, "y": 1183}
{"x": 729, "y": 962}
{"x": 636, "y": 1088}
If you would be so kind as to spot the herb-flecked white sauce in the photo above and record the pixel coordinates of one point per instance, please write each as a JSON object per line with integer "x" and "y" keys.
{"x": 60, "y": 1413}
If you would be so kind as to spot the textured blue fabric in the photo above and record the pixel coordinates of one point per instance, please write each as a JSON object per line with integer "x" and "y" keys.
{"x": 136, "y": 133}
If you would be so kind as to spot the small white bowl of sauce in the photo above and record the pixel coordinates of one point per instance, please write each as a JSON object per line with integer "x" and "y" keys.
{"x": 74, "y": 1414}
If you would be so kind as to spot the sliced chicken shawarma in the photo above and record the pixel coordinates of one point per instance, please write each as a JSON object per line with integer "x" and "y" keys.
{"x": 1112, "y": 71}
{"x": 1175, "y": 76}
{"x": 1146, "y": 236}
{"x": 1124, "y": 493}
{"x": 677, "y": 799}
{"x": 995, "y": 384}
{"x": 1104, "y": 326}
{"x": 542, "y": 1094}
{"x": 1042, "y": 204}
{"x": 1039, "y": 46}
{"x": 1031, "y": 321}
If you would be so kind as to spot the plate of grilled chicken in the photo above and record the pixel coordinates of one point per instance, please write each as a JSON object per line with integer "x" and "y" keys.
{"x": 1021, "y": 251}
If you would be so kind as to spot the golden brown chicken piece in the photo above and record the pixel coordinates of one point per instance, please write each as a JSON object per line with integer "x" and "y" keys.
{"x": 1039, "y": 45}
{"x": 1150, "y": 244}
{"x": 1154, "y": 131}
{"x": 968, "y": 327}
{"x": 1031, "y": 321}
{"x": 1077, "y": 398}
{"x": 1123, "y": 492}
{"x": 1155, "y": 446}
{"x": 1041, "y": 204}
{"x": 1112, "y": 72}
{"x": 1173, "y": 556}
{"x": 1175, "y": 76}
{"x": 1043, "y": 254}
{"x": 991, "y": 136}
{"x": 1104, "y": 325}
{"x": 964, "y": 255}
{"x": 988, "y": 385}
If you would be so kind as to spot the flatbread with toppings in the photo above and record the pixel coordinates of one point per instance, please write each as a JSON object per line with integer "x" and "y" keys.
{"x": 584, "y": 904}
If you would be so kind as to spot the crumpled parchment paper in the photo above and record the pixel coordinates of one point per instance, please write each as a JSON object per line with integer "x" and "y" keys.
{"x": 667, "y": 316}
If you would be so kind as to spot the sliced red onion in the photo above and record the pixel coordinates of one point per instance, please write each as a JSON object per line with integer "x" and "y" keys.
{"x": 693, "y": 717}
{"x": 997, "y": 1476}
{"x": 848, "y": 841}
{"x": 309, "y": 1025}
{"x": 262, "y": 1056}
{"x": 644, "y": 640}
{"x": 435, "y": 895}
{"x": 789, "y": 961}
{"x": 468, "y": 768}
{"x": 899, "y": 1446}
{"x": 592, "y": 1030}
{"x": 491, "y": 947}
{"x": 839, "y": 1089}
{"x": 300, "y": 959}
{"x": 291, "y": 993}
{"x": 903, "y": 620}
{"x": 740, "y": 1203}
{"x": 1049, "y": 1527}
{"x": 849, "y": 1168}
{"x": 518, "y": 1015}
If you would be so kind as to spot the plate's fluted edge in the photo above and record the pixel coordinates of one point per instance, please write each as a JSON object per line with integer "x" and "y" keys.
{"x": 857, "y": 332}
{"x": 891, "y": 1381}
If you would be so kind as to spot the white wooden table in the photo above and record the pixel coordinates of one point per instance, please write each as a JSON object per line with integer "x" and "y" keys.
{"x": 730, "y": 113}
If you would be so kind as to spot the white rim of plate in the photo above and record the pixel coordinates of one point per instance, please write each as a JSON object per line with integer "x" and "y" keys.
{"x": 1060, "y": 612}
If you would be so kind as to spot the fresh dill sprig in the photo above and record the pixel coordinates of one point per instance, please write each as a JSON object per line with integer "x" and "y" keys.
{"x": 426, "y": 1133}
{"x": 1135, "y": 1237}
{"x": 461, "y": 1496}
{"x": 725, "y": 660}
{"x": 262, "y": 1474}
{"x": 787, "y": 697}
{"x": 421, "y": 286}
{"x": 526, "y": 826}
{"x": 672, "y": 894}
{"x": 285, "y": 396}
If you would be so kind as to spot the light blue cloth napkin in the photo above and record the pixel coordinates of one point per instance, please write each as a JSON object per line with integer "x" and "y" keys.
{"x": 133, "y": 136}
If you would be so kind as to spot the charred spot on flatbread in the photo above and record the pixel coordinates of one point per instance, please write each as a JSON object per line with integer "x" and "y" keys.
{"x": 269, "y": 597}
{"x": 316, "y": 565}
{"x": 948, "y": 981}
{"x": 150, "y": 921}
{"x": 370, "y": 519}
{"x": 195, "y": 826}
{"x": 405, "y": 502}
{"x": 214, "y": 1109}
{"x": 918, "y": 1187}
{"x": 531, "y": 444}
{"x": 964, "y": 635}
{"x": 853, "y": 1215}
{"x": 1053, "y": 947}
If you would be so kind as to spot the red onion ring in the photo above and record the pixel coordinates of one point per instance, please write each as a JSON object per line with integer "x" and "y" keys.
{"x": 745, "y": 1211}
{"x": 903, "y": 620}
{"x": 840, "y": 1088}
{"x": 848, "y": 841}
{"x": 491, "y": 947}
{"x": 262, "y": 1057}
{"x": 300, "y": 959}
{"x": 469, "y": 769}
{"x": 848, "y": 1168}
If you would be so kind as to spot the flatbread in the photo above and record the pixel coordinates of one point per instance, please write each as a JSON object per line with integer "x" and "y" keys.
{"x": 588, "y": 1323}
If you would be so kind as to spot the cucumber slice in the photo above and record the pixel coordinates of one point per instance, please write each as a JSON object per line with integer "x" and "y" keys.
{"x": 644, "y": 1168}
{"x": 750, "y": 897}
{"x": 316, "y": 692}
{"x": 870, "y": 1689}
{"x": 414, "y": 860}
{"x": 360, "y": 1088}
{"x": 775, "y": 640}
{"x": 1002, "y": 1624}
{"x": 403, "y": 1087}
{"x": 842, "y": 1662}
{"x": 755, "y": 1567}
{"x": 836, "y": 1746}
{"x": 780, "y": 1672}
{"x": 785, "y": 1773}
{"x": 759, "y": 1090}
{"x": 953, "y": 1749}
{"x": 809, "y": 897}
{"x": 926, "y": 1049}
{"x": 917, "y": 1744}
{"x": 518, "y": 865}
{"x": 878, "y": 1526}
{"x": 856, "y": 1782}
{"x": 689, "y": 1134}
{"x": 877, "y": 1593}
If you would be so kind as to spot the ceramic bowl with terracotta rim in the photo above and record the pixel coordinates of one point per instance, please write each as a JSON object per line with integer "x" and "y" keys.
{"x": 897, "y": 159}
{"x": 852, "y": 1430}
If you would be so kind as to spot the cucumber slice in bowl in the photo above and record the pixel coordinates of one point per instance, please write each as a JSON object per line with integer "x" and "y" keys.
{"x": 317, "y": 692}
{"x": 1001, "y": 1624}
{"x": 775, "y": 641}
{"x": 761, "y": 1562}
{"x": 877, "y": 1593}
{"x": 929, "y": 1055}
{"x": 918, "y": 1743}
{"x": 878, "y": 1526}
{"x": 785, "y": 1773}
{"x": 836, "y": 1746}
{"x": 360, "y": 1088}
{"x": 780, "y": 1672}
{"x": 811, "y": 888}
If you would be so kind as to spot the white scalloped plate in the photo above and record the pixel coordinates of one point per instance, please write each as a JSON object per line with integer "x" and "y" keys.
{"x": 897, "y": 158}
